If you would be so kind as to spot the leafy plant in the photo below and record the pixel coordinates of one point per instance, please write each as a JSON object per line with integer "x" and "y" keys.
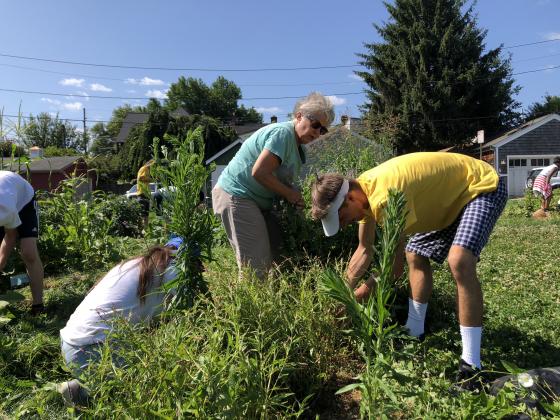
{"x": 372, "y": 326}
{"x": 183, "y": 178}
{"x": 74, "y": 230}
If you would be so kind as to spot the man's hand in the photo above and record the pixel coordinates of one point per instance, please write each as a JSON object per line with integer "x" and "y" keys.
{"x": 362, "y": 292}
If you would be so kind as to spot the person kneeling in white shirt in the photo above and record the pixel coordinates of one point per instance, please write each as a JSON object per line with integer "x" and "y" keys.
{"x": 129, "y": 291}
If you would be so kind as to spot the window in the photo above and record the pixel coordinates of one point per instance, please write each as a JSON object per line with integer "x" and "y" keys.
{"x": 517, "y": 163}
{"x": 540, "y": 162}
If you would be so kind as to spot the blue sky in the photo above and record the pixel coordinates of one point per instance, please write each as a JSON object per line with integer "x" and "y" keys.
{"x": 244, "y": 34}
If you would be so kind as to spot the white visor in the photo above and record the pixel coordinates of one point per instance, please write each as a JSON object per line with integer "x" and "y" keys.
{"x": 331, "y": 224}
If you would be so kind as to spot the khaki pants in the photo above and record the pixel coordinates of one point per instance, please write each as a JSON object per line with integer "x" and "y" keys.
{"x": 253, "y": 233}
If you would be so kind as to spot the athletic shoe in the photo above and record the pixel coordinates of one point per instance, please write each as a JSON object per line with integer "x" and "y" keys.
{"x": 469, "y": 379}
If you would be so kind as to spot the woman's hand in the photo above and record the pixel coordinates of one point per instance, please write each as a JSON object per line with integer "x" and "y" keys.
{"x": 294, "y": 197}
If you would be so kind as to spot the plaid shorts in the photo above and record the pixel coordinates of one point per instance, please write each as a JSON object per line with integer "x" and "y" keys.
{"x": 470, "y": 230}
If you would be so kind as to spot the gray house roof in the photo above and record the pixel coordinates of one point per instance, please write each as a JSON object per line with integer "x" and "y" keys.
{"x": 134, "y": 118}
{"x": 521, "y": 130}
{"x": 51, "y": 164}
{"x": 131, "y": 120}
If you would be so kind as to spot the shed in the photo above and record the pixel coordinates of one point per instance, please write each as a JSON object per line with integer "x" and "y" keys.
{"x": 47, "y": 173}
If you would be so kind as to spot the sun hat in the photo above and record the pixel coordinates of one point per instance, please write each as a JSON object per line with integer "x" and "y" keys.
{"x": 331, "y": 224}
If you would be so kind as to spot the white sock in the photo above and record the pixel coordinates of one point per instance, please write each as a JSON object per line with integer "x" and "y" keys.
{"x": 416, "y": 317}
{"x": 471, "y": 337}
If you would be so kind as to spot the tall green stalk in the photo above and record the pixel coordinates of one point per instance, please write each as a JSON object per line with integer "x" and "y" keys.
{"x": 372, "y": 325}
{"x": 183, "y": 178}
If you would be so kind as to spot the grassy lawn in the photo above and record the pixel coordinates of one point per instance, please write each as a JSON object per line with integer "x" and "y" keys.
{"x": 276, "y": 349}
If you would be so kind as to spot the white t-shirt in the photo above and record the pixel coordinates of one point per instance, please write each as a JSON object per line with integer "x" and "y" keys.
{"x": 549, "y": 170}
{"x": 115, "y": 296}
{"x": 15, "y": 193}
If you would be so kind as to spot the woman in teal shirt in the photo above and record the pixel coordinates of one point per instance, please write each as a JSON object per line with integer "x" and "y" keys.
{"x": 265, "y": 167}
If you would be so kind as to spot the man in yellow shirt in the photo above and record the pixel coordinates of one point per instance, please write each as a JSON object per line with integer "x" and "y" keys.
{"x": 453, "y": 202}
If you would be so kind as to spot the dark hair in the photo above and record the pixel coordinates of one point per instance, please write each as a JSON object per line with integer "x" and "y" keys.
{"x": 556, "y": 160}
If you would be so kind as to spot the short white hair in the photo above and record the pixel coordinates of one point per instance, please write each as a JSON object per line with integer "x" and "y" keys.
{"x": 315, "y": 104}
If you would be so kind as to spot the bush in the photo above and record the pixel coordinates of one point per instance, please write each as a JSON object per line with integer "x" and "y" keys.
{"x": 348, "y": 155}
{"x": 125, "y": 215}
{"x": 74, "y": 231}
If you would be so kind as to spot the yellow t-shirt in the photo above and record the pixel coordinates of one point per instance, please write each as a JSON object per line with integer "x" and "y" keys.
{"x": 143, "y": 180}
{"x": 436, "y": 186}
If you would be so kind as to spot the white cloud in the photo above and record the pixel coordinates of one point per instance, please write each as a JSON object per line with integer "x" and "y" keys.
{"x": 145, "y": 81}
{"x": 355, "y": 77}
{"x": 98, "y": 87}
{"x": 60, "y": 106}
{"x": 158, "y": 94}
{"x": 73, "y": 106}
{"x": 552, "y": 35}
{"x": 51, "y": 101}
{"x": 336, "y": 101}
{"x": 269, "y": 110}
{"x": 85, "y": 94}
{"x": 72, "y": 82}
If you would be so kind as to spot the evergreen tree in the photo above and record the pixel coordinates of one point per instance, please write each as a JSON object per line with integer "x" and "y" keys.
{"x": 431, "y": 74}
{"x": 551, "y": 105}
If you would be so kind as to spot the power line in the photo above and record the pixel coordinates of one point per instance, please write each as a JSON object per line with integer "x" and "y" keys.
{"x": 272, "y": 84}
{"x": 531, "y": 43}
{"x": 33, "y": 92}
{"x": 243, "y": 99}
{"x": 78, "y": 63}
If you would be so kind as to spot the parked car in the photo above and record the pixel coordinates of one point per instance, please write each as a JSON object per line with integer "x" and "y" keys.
{"x": 134, "y": 189}
{"x": 532, "y": 174}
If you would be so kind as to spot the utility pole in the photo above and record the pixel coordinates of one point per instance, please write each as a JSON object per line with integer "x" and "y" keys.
{"x": 85, "y": 133}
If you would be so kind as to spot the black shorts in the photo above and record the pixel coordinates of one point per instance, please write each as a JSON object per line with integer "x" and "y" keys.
{"x": 29, "y": 216}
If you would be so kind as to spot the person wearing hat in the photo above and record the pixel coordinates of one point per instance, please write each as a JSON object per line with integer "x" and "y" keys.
{"x": 19, "y": 219}
{"x": 452, "y": 204}
{"x": 131, "y": 291}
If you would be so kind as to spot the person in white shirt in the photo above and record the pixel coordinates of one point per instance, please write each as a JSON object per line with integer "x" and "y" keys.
{"x": 19, "y": 218}
{"x": 541, "y": 184}
{"x": 131, "y": 291}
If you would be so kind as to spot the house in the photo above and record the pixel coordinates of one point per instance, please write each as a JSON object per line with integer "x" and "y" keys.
{"x": 513, "y": 154}
{"x": 222, "y": 158}
{"x": 132, "y": 119}
{"x": 47, "y": 173}
{"x": 129, "y": 122}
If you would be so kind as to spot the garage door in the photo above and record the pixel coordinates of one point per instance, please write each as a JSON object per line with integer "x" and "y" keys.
{"x": 517, "y": 175}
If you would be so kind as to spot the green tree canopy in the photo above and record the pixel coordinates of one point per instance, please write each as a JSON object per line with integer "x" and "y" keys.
{"x": 218, "y": 100}
{"x": 431, "y": 73}
{"x": 550, "y": 105}
{"x": 101, "y": 140}
{"x": 45, "y": 130}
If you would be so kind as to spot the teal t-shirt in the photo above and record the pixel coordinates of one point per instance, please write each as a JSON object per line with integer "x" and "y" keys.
{"x": 280, "y": 139}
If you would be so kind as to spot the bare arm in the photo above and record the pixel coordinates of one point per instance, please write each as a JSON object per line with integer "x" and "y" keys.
{"x": 361, "y": 259}
{"x": 263, "y": 169}
{"x": 8, "y": 244}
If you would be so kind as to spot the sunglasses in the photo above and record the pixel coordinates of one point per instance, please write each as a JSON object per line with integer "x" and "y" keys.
{"x": 316, "y": 124}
